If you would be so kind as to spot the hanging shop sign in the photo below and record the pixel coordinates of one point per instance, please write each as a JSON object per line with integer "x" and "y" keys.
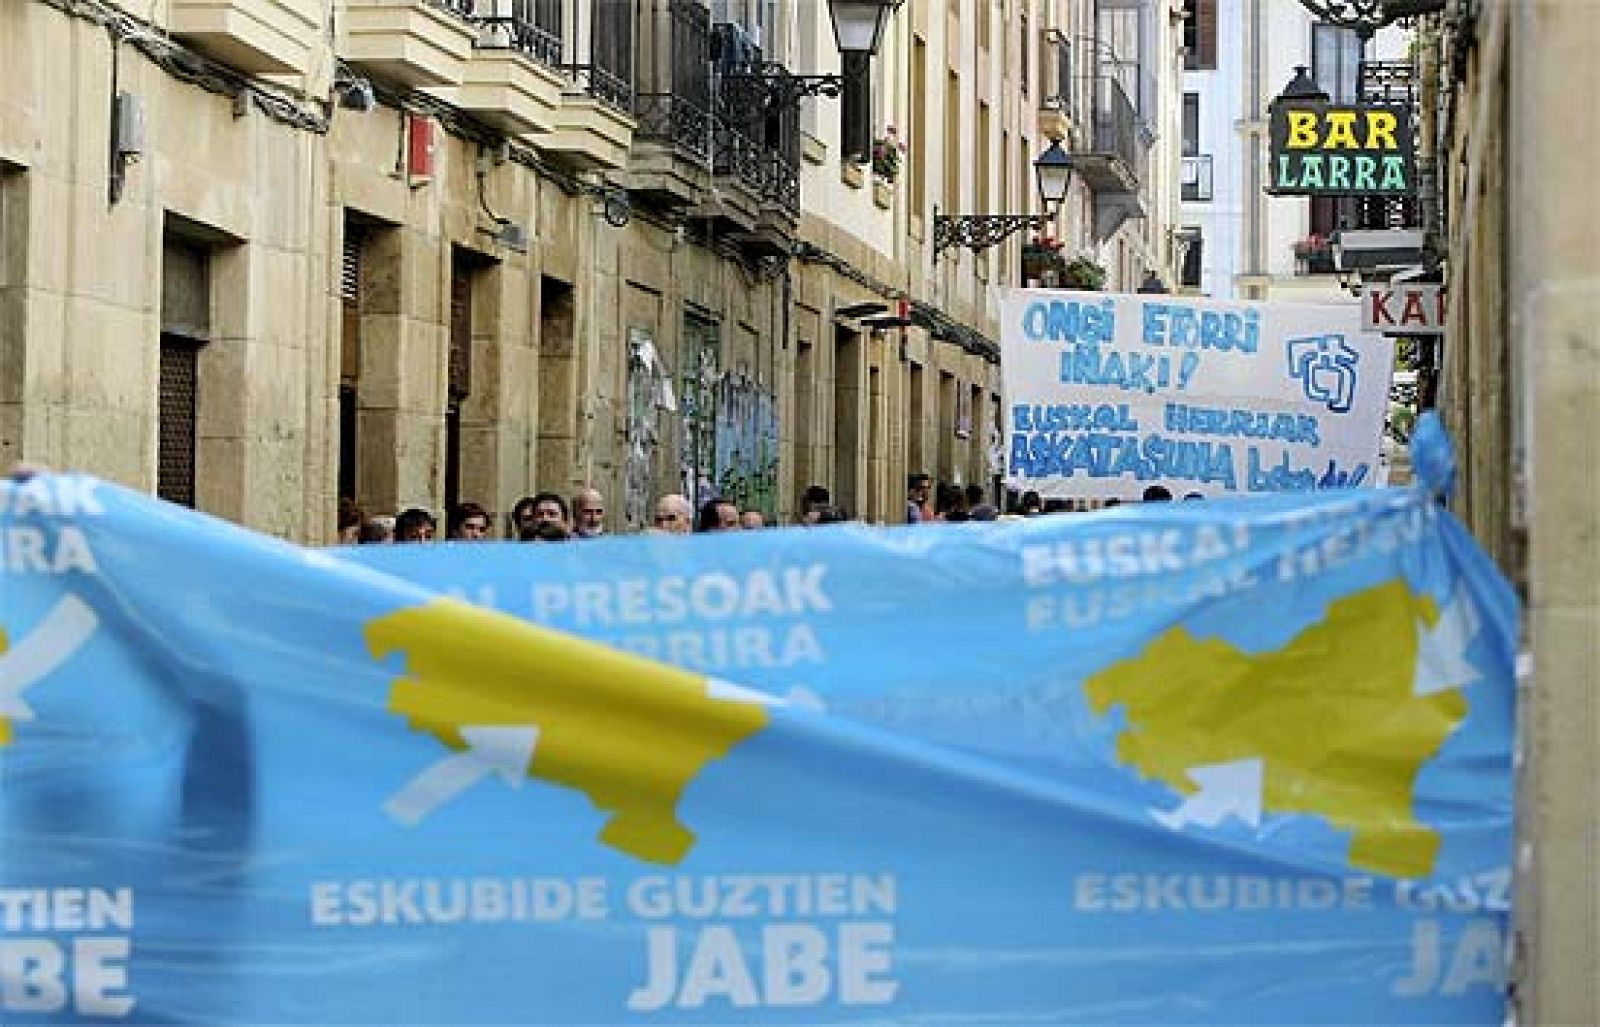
{"x": 1341, "y": 149}
{"x": 1409, "y": 308}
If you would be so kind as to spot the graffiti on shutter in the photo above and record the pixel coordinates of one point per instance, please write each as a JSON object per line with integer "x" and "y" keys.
{"x": 649, "y": 394}
{"x": 699, "y": 359}
{"x": 746, "y": 444}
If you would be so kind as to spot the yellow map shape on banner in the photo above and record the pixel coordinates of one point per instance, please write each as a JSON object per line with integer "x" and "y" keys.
{"x": 6, "y": 734}
{"x": 629, "y": 733}
{"x": 1333, "y": 717}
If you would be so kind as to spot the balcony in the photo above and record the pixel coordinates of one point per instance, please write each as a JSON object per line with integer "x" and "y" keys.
{"x": 756, "y": 144}
{"x": 595, "y": 125}
{"x": 1110, "y": 155}
{"x": 411, "y": 42}
{"x": 671, "y": 158}
{"x": 254, "y": 36}
{"x": 1196, "y": 181}
{"x": 514, "y": 80}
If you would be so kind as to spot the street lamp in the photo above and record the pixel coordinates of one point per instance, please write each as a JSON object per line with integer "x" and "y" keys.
{"x": 858, "y": 28}
{"x": 1054, "y": 172}
{"x": 858, "y": 24}
{"x": 1303, "y": 87}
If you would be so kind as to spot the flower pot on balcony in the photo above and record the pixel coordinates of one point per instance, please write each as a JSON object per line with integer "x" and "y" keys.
{"x": 882, "y": 194}
{"x": 1083, "y": 274}
{"x": 1041, "y": 264}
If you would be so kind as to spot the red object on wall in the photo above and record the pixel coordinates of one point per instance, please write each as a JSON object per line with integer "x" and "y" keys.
{"x": 421, "y": 148}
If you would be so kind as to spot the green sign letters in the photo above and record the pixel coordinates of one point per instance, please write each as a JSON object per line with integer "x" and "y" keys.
{"x": 1341, "y": 149}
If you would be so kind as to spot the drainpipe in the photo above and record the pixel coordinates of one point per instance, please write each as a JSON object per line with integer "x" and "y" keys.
{"x": 1258, "y": 203}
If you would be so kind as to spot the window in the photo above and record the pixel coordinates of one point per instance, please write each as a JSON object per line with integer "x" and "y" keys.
{"x": 807, "y": 45}
{"x": 985, "y": 158}
{"x": 917, "y": 154}
{"x": 350, "y": 357}
{"x": 1191, "y": 124}
{"x": 1200, "y": 35}
{"x": 985, "y": 16}
{"x": 1007, "y": 202}
{"x": 558, "y": 410}
{"x": 849, "y": 368}
{"x": 1336, "y": 61}
{"x": 1022, "y": 56}
{"x": 952, "y": 142}
{"x": 1336, "y": 67}
{"x": 1193, "y": 256}
{"x": 467, "y": 277}
{"x": 185, "y": 328}
{"x": 611, "y": 48}
{"x": 855, "y": 108}
{"x": 1026, "y": 187}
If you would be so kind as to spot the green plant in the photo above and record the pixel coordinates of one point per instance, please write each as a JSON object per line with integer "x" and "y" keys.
{"x": 1083, "y": 273}
{"x": 1042, "y": 261}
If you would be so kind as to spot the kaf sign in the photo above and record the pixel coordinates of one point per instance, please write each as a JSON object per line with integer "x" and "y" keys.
{"x": 1341, "y": 149}
{"x": 1409, "y": 308}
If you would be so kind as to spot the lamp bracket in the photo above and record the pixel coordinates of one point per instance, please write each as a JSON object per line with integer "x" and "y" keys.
{"x": 778, "y": 89}
{"x": 980, "y": 231}
{"x": 1366, "y": 17}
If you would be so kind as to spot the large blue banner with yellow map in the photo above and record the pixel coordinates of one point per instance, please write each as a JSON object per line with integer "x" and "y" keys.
{"x": 1229, "y": 762}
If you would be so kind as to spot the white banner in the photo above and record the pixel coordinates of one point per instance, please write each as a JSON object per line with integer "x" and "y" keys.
{"x": 1109, "y": 394}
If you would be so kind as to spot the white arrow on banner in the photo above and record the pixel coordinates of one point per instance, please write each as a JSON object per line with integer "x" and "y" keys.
{"x": 1225, "y": 788}
{"x": 65, "y": 629}
{"x": 1442, "y": 662}
{"x": 505, "y": 751}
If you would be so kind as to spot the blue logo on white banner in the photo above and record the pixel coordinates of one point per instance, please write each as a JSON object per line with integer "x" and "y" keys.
{"x": 1109, "y": 394}
{"x": 1235, "y": 762}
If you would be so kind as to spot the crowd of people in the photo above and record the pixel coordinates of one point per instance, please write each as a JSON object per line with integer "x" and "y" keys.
{"x": 550, "y": 517}
{"x": 542, "y": 517}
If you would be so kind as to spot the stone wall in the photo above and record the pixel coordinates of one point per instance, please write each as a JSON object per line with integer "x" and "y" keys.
{"x": 1521, "y": 384}
{"x": 545, "y": 402}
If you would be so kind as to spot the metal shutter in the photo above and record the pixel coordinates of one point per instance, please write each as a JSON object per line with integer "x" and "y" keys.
{"x": 175, "y": 441}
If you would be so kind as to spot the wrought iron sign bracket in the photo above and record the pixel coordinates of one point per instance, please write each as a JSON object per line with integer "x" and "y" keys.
{"x": 1366, "y": 17}
{"x": 781, "y": 89}
{"x": 980, "y": 231}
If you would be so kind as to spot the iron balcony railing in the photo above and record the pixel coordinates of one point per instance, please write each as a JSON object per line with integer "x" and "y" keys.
{"x": 1364, "y": 213}
{"x": 1197, "y": 178}
{"x": 532, "y": 27}
{"x": 609, "y": 75}
{"x": 757, "y": 139}
{"x": 1390, "y": 82}
{"x": 605, "y": 86}
{"x": 675, "y": 107}
{"x": 741, "y": 100}
{"x": 1110, "y": 120}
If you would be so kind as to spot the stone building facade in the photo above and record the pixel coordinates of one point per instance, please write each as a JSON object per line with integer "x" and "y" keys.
{"x": 258, "y": 255}
{"x": 1507, "y": 117}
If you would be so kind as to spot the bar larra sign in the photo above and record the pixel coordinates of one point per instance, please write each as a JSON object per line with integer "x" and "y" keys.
{"x": 1341, "y": 149}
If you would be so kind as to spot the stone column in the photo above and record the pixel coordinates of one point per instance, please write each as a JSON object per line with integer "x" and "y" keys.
{"x": 1555, "y": 306}
{"x": 402, "y": 380}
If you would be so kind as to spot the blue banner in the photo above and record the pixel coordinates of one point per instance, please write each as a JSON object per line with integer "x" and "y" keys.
{"x": 1234, "y": 761}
